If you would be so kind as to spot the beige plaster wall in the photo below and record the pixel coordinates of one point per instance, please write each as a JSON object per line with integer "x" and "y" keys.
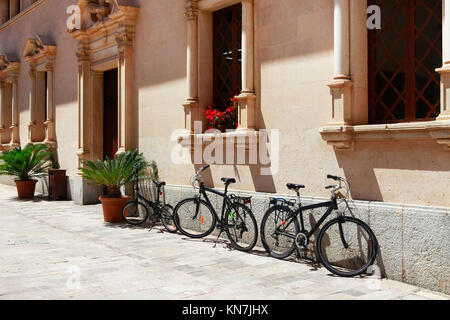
{"x": 294, "y": 64}
{"x": 49, "y": 22}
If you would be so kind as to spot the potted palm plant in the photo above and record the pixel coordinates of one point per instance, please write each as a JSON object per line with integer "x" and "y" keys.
{"x": 113, "y": 174}
{"x": 25, "y": 164}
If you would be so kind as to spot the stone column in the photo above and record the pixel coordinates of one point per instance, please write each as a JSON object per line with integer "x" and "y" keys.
{"x": 15, "y": 137}
{"x": 341, "y": 39}
{"x": 84, "y": 103}
{"x": 13, "y": 8}
{"x": 191, "y": 106}
{"x": 32, "y": 124}
{"x": 50, "y": 130}
{"x": 2, "y": 112}
{"x": 128, "y": 116}
{"x": 341, "y": 88}
{"x": 2, "y": 106}
{"x": 445, "y": 70}
{"x": 247, "y": 98}
{"x": 4, "y": 14}
{"x": 97, "y": 114}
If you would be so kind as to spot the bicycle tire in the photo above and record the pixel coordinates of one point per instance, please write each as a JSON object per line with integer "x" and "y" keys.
{"x": 272, "y": 219}
{"x": 238, "y": 215}
{"x": 191, "y": 224}
{"x": 351, "y": 224}
{"x": 135, "y": 215}
{"x": 167, "y": 219}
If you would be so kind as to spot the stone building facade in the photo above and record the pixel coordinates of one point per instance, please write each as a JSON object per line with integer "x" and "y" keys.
{"x": 332, "y": 96}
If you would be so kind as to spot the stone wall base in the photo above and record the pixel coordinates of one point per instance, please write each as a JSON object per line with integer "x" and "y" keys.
{"x": 83, "y": 193}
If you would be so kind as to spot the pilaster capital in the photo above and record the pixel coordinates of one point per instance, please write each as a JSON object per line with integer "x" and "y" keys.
{"x": 191, "y": 10}
{"x": 82, "y": 54}
{"x": 124, "y": 39}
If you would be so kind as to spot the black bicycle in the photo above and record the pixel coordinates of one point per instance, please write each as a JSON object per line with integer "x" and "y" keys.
{"x": 345, "y": 245}
{"x": 136, "y": 211}
{"x": 196, "y": 218}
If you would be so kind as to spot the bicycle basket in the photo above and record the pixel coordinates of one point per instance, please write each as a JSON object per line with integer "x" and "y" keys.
{"x": 148, "y": 189}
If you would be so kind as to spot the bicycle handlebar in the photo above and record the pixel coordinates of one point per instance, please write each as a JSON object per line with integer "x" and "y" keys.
{"x": 335, "y": 178}
{"x": 203, "y": 169}
{"x": 197, "y": 176}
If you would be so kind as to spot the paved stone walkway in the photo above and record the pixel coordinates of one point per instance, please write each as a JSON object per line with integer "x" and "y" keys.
{"x": 57, "y": 250}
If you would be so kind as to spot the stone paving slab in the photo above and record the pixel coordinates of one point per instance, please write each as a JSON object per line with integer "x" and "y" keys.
{"x": 57, "y": 250}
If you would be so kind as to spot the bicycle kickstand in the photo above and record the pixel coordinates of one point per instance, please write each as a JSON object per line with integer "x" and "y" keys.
{"x": 220, "y": 233}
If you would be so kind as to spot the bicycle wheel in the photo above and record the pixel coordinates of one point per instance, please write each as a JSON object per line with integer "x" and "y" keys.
{"x": 167, "y": 218}
{"x": 242, "y": 229}
{"x": 277, "y": 234}
{"x": 194, "y": 218}
{"x": 346, "y": 246}
{"x": 135, "y": 213}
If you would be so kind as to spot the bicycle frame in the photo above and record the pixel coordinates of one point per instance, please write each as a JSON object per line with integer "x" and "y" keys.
{"x": 331, "y": 205}
{"x": 226, "y": 202}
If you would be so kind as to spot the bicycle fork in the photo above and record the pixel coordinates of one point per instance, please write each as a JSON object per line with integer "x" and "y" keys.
{"x": 341, "y": 231}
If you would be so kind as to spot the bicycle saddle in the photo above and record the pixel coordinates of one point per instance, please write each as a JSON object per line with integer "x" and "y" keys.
{"x": 228, "y": 180}
{"x": 295, "y": 187}
{"x": 159, "y": 184}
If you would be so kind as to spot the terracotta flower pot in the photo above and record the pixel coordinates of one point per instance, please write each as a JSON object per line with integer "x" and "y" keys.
{"x": 112, "y": 208}
{"x": 25, "y": 189}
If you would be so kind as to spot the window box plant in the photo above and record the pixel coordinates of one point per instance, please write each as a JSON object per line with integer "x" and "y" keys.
{"x": 113, "y": 174}
{"x": 25, "y": 164}
{"x": 222, "y": 120}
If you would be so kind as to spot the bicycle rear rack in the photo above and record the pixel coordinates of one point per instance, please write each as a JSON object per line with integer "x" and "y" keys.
{"x": 246, "y": 201}
{"x": 282, "y": 201}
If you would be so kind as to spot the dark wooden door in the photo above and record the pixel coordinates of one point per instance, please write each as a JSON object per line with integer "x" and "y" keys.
{"x": 110, "y": 113}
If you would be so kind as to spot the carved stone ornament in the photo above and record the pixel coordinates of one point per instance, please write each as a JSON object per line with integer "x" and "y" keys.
{"x": 4, "y": 62}
{"x": 94, "y": 11}
{"x": 33, "y": 47}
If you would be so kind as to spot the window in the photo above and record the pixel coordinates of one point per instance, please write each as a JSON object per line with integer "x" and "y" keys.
{"x": 227, "y": 55}
{"x": 403, "y": 56}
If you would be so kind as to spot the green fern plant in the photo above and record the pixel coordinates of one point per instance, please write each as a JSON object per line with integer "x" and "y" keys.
{"x": 26, "y": 163}
{"x": 114, "y": 173}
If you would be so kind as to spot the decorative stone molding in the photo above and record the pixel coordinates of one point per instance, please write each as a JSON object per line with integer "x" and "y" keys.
{"x": 191, "y": 11}
{"x": 341, "y": 92}
{"x": 96, "y": 11}
{"x": 445, "y": 92}
{"x": 41, "y": 58}
{"x": 9, "y": 110}
{"x": 344, "y": 137}
{"x": 247, "y": 98}
{"x": 105, "y": 41}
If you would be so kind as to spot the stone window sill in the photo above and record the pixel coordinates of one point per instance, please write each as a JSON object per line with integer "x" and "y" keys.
{"x": 342, "y": 137}
{"x": 246, "y": 139}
